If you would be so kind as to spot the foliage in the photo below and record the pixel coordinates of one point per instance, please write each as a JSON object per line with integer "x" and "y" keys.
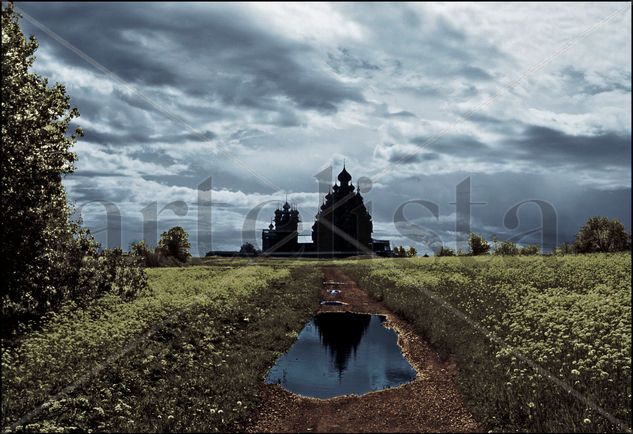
{"x": 399, "y": 252}
{"x": 570, "y": 315}
{"x": 248, "y": 248}
{"x": 445, "y": 251}
{"x": 599, "y": 234}
{"x": 530, "y": 249}
{"x": 140, "y": 250}
{"x": 47, "y": 258}
{"x": 91, "y": 274}
{"x": 175, "y": 243}
{"x": 187, "y": 356}
{"x": 478, "y": 245}
{"x": 148, "y": 257}
{"x": 564, "y": 249}
{"x": 402, "y": 252}
{"x": 506, "y": 248}
{"x": 35, "y": 155}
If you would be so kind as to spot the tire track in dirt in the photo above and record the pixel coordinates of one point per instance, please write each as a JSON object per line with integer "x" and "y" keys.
{"x": 430, "y": 403}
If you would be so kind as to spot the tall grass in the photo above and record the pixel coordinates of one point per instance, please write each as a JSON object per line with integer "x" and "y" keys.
{"x": 570, "y": 315}
{"x": 187, "y": 357}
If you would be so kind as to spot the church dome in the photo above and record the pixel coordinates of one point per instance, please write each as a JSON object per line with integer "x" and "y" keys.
{"x": 344, "y": 177}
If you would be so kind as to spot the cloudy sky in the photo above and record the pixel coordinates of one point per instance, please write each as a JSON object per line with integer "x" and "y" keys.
{"x": 523, "y": 101}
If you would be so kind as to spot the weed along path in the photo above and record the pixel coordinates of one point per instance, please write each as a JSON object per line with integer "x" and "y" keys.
{"x": 429, "y": 403}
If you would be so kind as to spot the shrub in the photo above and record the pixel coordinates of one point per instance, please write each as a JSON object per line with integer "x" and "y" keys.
{"x": 530, "y": 249}
{"x": 399, "y": 252}
{"x": 446, "y": 251}
{"x": 564, "y": 249}
{"x": 95, "y": 273}
{"x": 147, "y": 257}
{"x": 175, "y": 243}
{"x": 249, "y": 249}
{"x": 478, "y": 245}
{"x": 506, "y": 248}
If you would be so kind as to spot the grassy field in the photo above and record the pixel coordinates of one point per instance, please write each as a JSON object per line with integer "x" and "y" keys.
{"x": 187, "y": 357}
{"x": 523, "y": 330}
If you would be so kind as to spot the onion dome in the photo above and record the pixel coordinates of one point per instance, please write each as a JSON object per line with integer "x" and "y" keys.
{"x": 344, "y": 177}
{"x": 286, "y": 206}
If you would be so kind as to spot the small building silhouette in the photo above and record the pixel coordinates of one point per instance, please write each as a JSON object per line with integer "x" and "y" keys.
{"x": 343, "y": 227}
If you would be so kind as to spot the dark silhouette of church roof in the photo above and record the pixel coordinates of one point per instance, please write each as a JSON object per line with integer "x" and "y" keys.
{"x": 344, "y": 177}
{"x": 342, "y": 224}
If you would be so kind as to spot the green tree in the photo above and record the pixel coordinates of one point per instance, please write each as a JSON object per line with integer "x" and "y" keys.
{"x": 249, "y": 248}
{"x": 530, "y": 249}
{"x": 478, "y": 245}
{"x": 35, "y": 155}
{"x": 599, "y": 234}
{"x": 47, "y": 258}
{"x": 412, "y": 252}
{"x": 399, "y": 252}
{"x": 175, "y": 243}
{"x": 564, "y": 249}
{"x": 145, "y": 255}
{"x": 446, "y": 251}
{"x": 506, "y": 248}
{"x": 140, "y": 249}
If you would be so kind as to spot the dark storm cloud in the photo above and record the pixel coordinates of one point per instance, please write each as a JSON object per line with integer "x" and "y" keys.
{"x": 543, "y": 146}
{"x": 215, "y": 52}
{"x": 551, "y": 147}
{"x": 130, "y": 138}
{"x": 151, "y": 155}
{"x": 88, "y": 190}
{"x": 495, "y": 195}
{"x": 281, "y": 105}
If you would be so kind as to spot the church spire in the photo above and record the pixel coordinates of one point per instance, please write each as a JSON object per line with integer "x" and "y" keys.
{"x": 344, "y": 176}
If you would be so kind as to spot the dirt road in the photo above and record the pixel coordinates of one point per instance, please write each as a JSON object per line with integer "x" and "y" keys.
{"x": 430, "y": 403}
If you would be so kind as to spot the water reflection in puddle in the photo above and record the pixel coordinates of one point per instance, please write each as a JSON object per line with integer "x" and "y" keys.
{"x": 342, "y": 353}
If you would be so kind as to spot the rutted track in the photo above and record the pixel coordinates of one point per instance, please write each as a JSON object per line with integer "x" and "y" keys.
{"x": 431, "y": 403}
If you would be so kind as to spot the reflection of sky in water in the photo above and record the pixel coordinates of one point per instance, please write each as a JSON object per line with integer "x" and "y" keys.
{"x": 342, "y": 353}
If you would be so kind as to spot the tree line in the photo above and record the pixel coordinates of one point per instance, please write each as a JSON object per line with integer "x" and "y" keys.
{"x": 50, "y": 259}
{"x": 598, "y": 235}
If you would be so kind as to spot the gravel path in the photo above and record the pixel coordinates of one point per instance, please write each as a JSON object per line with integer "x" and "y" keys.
{"x": 430, "y": 403}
